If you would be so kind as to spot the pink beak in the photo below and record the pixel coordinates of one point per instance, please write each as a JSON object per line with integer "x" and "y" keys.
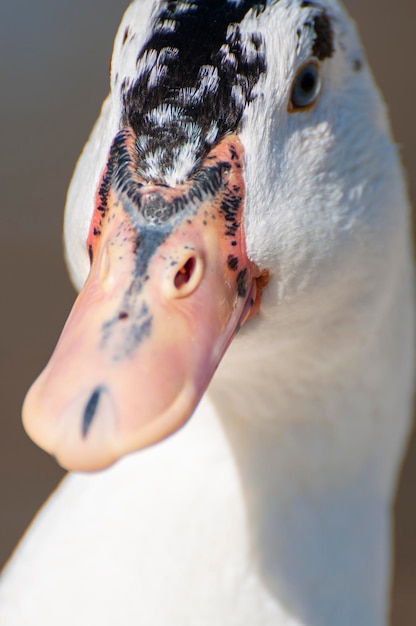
{"x": 170, "y": 284}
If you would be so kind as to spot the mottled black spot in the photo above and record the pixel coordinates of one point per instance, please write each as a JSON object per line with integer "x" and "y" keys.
{"x": 124, "y": 339}
{"x": 357, "y": 65}
{"x": 105, "y": 186}
{"x": 233, "y": 153}
{"x": 90, "y": 411}
{"x": 152, "y": 239}
{"x": 156, "y": 210}
{"x": 123, "y": 315}
{"x": 232, "y": 262}
{"x": 209, "y": 179}
{"x": 323, "y": 47}
{"x": 230, "y": 207}
{"x": 139, "y": 332}
{"x": 241, "y": 284}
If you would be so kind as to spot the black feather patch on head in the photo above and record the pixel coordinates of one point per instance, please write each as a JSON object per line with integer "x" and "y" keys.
{"x": 323, "y": 47}
{"x": 196, "y": 74}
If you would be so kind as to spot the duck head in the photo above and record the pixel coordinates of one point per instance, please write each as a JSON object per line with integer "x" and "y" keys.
{"x": 229, "y": 148}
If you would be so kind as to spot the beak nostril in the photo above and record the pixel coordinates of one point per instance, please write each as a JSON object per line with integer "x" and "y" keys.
{"x": 184, "y": 275}
{"x": 182, "y": 282}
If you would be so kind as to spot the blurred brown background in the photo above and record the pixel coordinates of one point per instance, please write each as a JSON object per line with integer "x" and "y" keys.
{"x": 54, "y": 59}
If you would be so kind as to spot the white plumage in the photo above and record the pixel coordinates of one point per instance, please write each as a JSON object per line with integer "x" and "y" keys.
{"x": 272, "y": 506}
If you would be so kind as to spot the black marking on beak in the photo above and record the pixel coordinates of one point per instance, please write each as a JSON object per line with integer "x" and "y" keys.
{"x": 90, "y": 411}
{"x": 232, "y": 262}
{"x": 241, "y": 283}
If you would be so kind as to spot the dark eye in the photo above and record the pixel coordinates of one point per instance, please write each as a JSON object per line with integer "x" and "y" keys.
{"x": 306, "y": 87}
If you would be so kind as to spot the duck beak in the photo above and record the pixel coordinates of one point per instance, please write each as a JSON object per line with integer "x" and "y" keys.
{"x": 170, "y": 284}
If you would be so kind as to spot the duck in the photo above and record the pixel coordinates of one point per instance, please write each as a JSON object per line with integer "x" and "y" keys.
{"x": 233, "y": 387}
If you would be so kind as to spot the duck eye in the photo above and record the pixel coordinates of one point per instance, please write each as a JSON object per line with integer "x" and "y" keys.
{"x": 306, "y": 87}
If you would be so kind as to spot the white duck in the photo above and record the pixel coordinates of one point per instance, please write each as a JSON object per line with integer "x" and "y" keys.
{"x": 272, "y": 506}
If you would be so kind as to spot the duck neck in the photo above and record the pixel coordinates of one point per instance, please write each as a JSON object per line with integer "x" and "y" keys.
{"x": 318, "y": 427}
